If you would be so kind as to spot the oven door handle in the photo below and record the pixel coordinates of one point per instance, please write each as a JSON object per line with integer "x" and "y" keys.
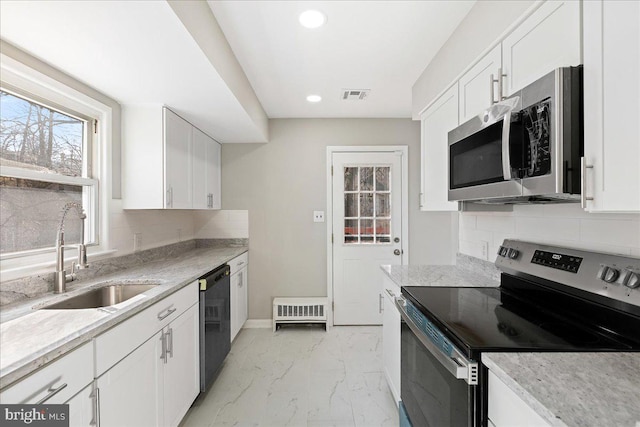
{"x": 458, "y": 365}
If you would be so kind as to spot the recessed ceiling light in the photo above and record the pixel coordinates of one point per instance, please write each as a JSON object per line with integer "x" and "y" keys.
{"x": 314, "y": 98}
{"x": 312, "y": 19}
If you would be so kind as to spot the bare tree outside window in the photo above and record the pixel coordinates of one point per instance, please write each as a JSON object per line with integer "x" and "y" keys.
{"x": 34, "y": 137}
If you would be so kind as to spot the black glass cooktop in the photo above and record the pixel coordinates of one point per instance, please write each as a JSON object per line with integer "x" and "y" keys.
{"x": 522, "y": 319}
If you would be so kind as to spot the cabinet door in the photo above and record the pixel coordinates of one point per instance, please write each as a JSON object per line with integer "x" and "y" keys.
{"x": 214, "y": 181}
{"x": 234, "y": 297}
{"x": 130, "y": 392}
{"x": 476, "y": 90}
{"x": 243, "y": 298}
{"x": 548, "y": 39}
{"x": 506, "y": 408}
{"x": 437, "y": 121}
{"x": 391, "y": 340}
{"x": 181, "y": 373}
{"x": 200, "y": 150}
{"x": 82, "y": 407}
{"x": 612, "y": 105}
{"x": 177, "y": 160}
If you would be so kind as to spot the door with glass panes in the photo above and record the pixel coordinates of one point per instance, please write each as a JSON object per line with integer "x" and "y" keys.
{"x": 367, "y": 231}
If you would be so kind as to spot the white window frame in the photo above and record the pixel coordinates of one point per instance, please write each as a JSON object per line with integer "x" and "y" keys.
{"x": 31, "y": 84}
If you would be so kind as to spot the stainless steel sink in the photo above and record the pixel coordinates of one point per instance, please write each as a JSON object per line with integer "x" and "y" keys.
{"x": 102, "y": 297}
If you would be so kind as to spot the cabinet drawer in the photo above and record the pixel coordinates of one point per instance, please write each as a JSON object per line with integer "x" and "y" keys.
{"x": 507, "y": 409}
{"x": 239, "y": 262}
{"x": 116, "y": 343}
{"x": 73, "y": 369}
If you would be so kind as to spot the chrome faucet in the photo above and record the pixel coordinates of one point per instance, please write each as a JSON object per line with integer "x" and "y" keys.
{"x": 61, "y": 276}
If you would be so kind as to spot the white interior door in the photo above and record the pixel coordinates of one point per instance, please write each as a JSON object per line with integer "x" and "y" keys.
{"x": 367, "y": 231}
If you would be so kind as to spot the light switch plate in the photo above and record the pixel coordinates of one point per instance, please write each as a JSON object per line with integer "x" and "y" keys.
{"x": 318, "y": 216}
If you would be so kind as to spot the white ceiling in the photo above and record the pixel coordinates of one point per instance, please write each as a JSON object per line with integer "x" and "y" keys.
{"x": 139, "y": 52}
{"x": 379, "y": 45}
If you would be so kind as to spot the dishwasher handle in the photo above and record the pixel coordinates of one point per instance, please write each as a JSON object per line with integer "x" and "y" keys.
{"x": 214, "y": 277}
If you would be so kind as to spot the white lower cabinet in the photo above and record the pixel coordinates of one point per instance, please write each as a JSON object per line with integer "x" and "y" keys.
{"x": 154, "y": 383}
{"x": 391, "y": 337}
{"x": 239, "y": 293}
{"x": 507, "y": 409}
{"x": 83, "y": 407}
{"x": 58, "y": 382}
{"x": 130, "y": 392}
{"x": 181, "y": 382}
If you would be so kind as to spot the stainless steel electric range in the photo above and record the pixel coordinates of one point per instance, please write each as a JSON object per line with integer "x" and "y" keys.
{"x": 549, "y": 299}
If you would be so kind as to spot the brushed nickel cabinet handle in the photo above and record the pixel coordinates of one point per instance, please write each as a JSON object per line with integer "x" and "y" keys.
{"x": 168, "y": 313}
{"x": 583, "y": 183}
{"x": 52, "y": 392}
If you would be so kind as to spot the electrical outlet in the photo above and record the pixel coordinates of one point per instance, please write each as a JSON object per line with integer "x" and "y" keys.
{"x": 318, "y": 216}
{"x": 137, "y": 241}
{"x": 485, "y": 250}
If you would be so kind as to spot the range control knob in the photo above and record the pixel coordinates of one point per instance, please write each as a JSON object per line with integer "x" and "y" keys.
{"x": 502, "y": 251}
{"x": 608, "y": 274}
{"x": 513, "y": 253}
{"x": 631, "y": 279}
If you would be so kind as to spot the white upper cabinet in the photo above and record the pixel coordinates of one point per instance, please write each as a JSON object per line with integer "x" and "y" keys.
{"x": 177, "y": 159}
{"x": 437, "y": 121}
{"x": 548, "y": 39}
{"x": 213, "y": 175}
{"x": 612, "y": 105}
{"x": 206, "y": 171}
{"x": 476, "y": 88}
{"x": 166, "y": 162}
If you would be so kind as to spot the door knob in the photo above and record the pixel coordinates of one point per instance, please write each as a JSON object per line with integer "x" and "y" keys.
{"x": 397, "y": 252}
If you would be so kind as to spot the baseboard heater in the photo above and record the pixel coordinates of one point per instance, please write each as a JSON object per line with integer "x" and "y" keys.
{"x": 299, "y": 310}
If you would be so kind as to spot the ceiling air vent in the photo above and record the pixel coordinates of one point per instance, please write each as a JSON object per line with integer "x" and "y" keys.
{"x": 355, "y": 94}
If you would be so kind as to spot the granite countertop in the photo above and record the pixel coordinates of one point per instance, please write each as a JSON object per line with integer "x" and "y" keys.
{"x": 30, "y": 338}
{"x": 574, "y": 389}
{"x": 468, "y": 272}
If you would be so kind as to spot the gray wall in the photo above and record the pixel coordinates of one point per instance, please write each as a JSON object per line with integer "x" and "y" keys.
{"x": 282, "y": 182}
{"x": 484, "y": 23}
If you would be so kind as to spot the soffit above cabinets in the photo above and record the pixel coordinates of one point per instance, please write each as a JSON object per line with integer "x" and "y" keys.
{"x": 383, "y": 46}
{"x": 137, "y": 52}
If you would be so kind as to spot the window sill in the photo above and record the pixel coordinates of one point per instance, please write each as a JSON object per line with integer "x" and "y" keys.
{"x": 47, "y": 267}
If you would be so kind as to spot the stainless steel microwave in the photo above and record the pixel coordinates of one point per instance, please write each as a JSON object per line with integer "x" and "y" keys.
{"x": 525, "y": 149}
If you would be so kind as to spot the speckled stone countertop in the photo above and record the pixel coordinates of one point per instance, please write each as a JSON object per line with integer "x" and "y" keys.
{"x": 574, "y": 389}
{"x": 468, "y": 272}
{"x": 30, "y": 338}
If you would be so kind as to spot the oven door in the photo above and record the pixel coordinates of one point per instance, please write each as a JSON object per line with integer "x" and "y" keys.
{"x": 486, "y": 154}
{"x": 437, "y": 389}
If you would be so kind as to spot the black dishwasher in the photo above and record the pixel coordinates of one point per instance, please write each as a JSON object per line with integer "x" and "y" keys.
{"x": 215, "y": 328}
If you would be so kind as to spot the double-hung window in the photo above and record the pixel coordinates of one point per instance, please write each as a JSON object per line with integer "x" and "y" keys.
{"x": 46, "y": 161}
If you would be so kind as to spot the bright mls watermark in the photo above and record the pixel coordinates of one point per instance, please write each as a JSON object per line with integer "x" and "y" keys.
{"x": 34, "y": 415}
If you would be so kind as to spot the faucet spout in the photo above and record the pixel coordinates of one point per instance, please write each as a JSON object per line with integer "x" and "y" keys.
{"x": 61, "y": 276}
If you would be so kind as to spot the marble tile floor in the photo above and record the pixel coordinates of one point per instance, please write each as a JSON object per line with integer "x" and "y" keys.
{"x": 300, "y": 376}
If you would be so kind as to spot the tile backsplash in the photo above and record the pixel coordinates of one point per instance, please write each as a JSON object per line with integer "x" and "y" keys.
{"x": 481, "y": 233}
{"x": 155, "y": 227}
{"x": 223, "y": 224}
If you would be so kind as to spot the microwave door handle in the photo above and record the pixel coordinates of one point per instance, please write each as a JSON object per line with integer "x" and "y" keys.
{"x": 457, "y": 364}
{"x": 506, "y": 151}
